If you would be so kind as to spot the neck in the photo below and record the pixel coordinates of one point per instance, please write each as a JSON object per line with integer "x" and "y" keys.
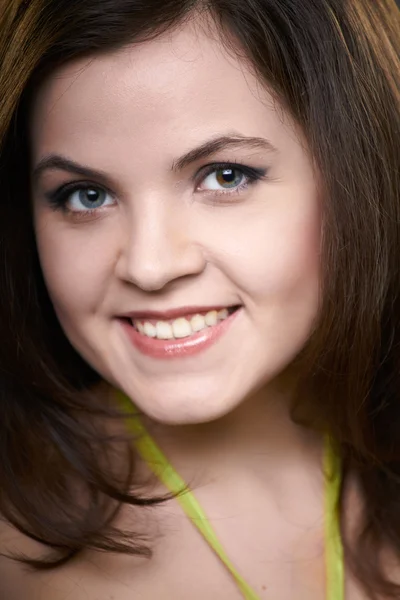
{"x": 258, "y": 439}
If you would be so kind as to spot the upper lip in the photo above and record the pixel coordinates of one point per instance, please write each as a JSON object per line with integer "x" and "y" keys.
{"x": 173, "y": 313}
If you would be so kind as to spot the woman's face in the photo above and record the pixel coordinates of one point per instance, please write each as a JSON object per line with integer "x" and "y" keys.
{"x": 186, "y": 190}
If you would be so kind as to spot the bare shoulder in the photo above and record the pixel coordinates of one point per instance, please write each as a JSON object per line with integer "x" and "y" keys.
{"x": 80, "y": 580}
{"x": 92, "y": 576}
{"x": 18, "y": 580}
{"x": 176, "y": 572}
{"x": 12, "y": 572}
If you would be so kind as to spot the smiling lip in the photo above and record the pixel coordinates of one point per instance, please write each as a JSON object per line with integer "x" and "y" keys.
{"x": 174, "y": 313}
{"x": 176, "y": 348}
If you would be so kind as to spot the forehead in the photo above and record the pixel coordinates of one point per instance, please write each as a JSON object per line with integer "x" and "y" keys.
{"x": 181, "y": 85}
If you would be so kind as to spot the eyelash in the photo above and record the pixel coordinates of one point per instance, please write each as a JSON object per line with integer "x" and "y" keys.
{"x": 252, "y": 175}
{"x": 59, "y": 198}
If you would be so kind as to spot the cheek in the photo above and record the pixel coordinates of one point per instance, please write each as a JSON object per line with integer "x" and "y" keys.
{"x": 292, "y": 256}
{"x": 278, "y": 273}
{"x": 276, "y": 253}
{"x": 76, "y": 265}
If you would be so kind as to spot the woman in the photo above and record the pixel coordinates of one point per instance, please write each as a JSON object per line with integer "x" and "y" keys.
{"x": 199, "y": 275}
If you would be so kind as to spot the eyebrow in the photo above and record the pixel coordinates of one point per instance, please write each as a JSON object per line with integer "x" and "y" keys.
{"x": 58, "y": 162}
{"x": 222, "y": 143}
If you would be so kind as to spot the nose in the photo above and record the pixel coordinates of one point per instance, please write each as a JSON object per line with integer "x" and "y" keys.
{"x": 158, "y": 248}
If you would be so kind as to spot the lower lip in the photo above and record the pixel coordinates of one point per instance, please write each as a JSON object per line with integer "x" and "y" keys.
{"x": 194, "y": 344}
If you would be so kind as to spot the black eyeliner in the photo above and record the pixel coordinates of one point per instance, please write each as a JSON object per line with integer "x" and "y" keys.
{"x": 59, "y": 197}
{"x": 254, "y": 173}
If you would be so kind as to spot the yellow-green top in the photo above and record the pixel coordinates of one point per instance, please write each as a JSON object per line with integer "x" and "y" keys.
{"x": 165, "y": 472}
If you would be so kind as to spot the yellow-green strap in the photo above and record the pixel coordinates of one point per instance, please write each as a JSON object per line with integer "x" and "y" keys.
{"x": 161, "y": 467}
{"x": 333, "y": 544}
{"x": 164, "y": 471}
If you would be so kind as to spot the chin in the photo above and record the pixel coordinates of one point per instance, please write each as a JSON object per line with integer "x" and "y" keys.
{"x": 184, "y": 411}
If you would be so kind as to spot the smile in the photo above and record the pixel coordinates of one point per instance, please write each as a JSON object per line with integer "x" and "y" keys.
{"x": 182, "y": 327}
{"x": 182, "y": 336}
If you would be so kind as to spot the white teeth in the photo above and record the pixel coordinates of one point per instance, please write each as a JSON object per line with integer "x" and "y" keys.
{"x": 181, "y": 328}
{"x": 164, "y": 331}
{"x": 211, "y": 318}
{"x": 198, "y": 323}
{"x": 149, "y": 330}
{"x": 223, "y": 314}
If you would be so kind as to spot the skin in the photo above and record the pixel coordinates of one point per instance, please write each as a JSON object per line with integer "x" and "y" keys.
{"x": 166, "y": 240}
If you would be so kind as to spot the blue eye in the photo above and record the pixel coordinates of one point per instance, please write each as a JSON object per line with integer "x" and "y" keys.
{"x": 89, "y": 199}
{"x": 81, "y": 198}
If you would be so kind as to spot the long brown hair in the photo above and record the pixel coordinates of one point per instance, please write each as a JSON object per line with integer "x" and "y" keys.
{"x": 334, "y": 64}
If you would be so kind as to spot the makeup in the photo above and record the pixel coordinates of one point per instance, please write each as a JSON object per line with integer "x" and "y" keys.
{"x": 180, "y": 335}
